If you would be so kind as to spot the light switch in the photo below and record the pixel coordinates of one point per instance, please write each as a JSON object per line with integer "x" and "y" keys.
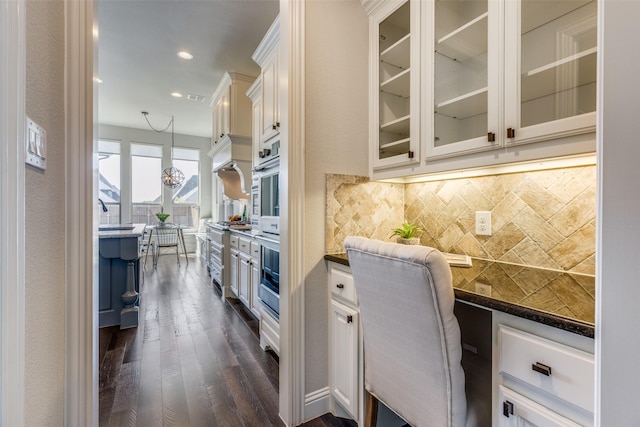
{"x": 36, "y": 145}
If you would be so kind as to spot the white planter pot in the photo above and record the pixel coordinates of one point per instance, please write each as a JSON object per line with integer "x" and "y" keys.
{"x": 410, "y": 241}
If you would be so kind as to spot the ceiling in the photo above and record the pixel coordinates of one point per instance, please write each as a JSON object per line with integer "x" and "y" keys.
{"x": 138, "y": 64}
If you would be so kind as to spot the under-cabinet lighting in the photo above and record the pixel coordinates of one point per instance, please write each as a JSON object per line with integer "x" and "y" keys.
{"x": 556, "y": 163}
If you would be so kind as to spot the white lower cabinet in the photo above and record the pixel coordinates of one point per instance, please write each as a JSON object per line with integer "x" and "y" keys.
{"x": 518, "y": 411}
{"x": 545, "y": 376}
{"x": 233, "y": 271}
{"x": 244, "y": 278}
{"x": 343, "y": 323}
{"x": 345, "y": 345}
{"x": 254, "y": 299}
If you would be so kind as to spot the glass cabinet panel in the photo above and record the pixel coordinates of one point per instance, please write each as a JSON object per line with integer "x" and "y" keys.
{"x": 395, "y": 83}
{"x": 557, "y": 60}
{"x": 461, "y": 80}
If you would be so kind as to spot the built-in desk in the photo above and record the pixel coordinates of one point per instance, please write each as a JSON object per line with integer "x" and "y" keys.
{"x": 119, "y": 274}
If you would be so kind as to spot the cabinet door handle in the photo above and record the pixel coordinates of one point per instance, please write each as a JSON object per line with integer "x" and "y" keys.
{"x": 278, "y": 125}
{"x": 410, "y": 154}
{"x": 340, "y": 286}
{"x": 542, "y": 368}
{"x": 349, "y": 318}
{"x": 491, "y": 137}
{"x": 507, "y": 408}
{"x": 511, "y": 133}
{"x": 273, "y": 127}
{"x": 221, "y": 135}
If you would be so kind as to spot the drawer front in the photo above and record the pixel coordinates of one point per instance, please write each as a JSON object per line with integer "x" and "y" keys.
{"x": 560, "y": 370}
{"x": 235, "y": 241}
{"x": 341, "y": 285}
{"x": 245, "y": 245}
{"x": 255, "y": 250}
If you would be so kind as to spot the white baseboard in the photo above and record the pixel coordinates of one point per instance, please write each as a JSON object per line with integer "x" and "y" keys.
{"x": 317, "y": 403}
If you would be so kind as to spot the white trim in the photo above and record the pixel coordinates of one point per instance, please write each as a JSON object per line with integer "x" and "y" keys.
{"x": 81, "y": 349}
{"x": 317, "y": 403}
{"x": 12, "y": 223}
{"x": 292, "y": 174}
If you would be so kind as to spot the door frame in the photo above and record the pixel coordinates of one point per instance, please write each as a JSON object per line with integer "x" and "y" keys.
{"x": 12, "y": 211}
{"x": 81, "y": 329}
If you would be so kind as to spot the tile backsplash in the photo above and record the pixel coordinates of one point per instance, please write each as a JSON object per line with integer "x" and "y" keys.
{"x": 540, "y": 219}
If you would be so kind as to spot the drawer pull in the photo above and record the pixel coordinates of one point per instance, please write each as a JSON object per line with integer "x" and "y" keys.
{"x": 541, "y": 368}
{"x": 349, "y": 318}
{"x": 507, "y": 408}
{"x": 340, "y": 286}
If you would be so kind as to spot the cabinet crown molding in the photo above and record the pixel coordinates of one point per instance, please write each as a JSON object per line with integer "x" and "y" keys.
{"x": 268, "y": 43}
{"x": 370, "y": 6}
{"x": 227, "y": 80}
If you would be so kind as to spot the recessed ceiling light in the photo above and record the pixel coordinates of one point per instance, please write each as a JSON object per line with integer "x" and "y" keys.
{"x": 185, "y": 55}
{"x": 97, "y": 79}
{"x": 176, "y": 94}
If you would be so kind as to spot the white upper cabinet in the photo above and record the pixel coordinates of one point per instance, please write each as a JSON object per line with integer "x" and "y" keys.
{"x": 550, "y": 73}
{"x": 452, "y": 79}
{"x": 266, "y": 56}
{"x": 231, "y": 108}
{"x": 464, "y": 57}
{"x": 395, "y": 99}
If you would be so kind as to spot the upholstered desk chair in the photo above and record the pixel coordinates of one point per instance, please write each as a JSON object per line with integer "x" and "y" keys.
{"x": 412, "y": 346}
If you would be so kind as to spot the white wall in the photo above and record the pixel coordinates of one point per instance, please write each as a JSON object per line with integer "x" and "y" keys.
{"x": 128, "y": 135}
{"x": 618, "y": 238}
{"x": 337, "y": 52}
{"x": 45, "y": 218}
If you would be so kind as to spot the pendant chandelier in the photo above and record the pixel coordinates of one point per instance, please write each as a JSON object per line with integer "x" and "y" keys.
{"x": 172, "y": 176}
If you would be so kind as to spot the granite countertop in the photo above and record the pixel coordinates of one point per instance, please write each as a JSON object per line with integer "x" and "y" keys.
{"x": 118, "y": 231}
{"x": 555, "y": 298}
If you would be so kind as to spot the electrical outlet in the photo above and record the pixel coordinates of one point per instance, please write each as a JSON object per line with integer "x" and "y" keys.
{"x": 483, "y": 289}
{"x": 483, "y": 223}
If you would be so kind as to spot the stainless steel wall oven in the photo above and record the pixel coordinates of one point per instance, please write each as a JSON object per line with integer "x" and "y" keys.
{"x": 269, "y": 287}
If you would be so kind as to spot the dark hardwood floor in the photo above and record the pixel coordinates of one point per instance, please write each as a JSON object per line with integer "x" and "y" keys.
{"x": 194, "y": 360}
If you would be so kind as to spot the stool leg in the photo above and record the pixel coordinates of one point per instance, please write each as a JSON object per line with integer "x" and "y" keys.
{"x": 371, "y": 413}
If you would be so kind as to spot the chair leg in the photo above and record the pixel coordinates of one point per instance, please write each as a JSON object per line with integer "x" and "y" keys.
{"x": 178, "y": 256}
{"x": 371, "y": 412}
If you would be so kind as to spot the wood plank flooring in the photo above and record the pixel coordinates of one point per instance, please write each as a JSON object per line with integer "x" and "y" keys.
{"x": 194, "y": 360}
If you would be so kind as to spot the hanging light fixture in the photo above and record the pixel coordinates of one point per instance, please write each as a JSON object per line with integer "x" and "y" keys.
{"x": 172, "y": 176}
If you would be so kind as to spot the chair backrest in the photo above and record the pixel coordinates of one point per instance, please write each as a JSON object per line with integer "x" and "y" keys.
{"x": 166, "y": 235}
{"x": 412, "y": 346}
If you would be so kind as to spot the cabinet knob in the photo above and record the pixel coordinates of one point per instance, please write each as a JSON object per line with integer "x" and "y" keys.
{"x": 542, "y": 368}
{"x": 278, "y": 124}
{"x": 511, "y": 133}
{"x": 340, "y": 286}
{"x": 349, "y": 318}
{"x": 273, "y": 127}
{"x": 491, "y": 137}
{"x": 221, "y": 135}
{"x": 261, "y": 154}
{"x": 507, "y": 408}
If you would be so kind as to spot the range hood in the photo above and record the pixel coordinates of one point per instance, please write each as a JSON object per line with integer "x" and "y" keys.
{"x": 231, "y": 161}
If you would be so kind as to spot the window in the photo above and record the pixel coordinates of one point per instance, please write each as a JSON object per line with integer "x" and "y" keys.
{"x": 109, "y": 181}
{"x": 186, "y": 199}
{"x": 146, "y": 185}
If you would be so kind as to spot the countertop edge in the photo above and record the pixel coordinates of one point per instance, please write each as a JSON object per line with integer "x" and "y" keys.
{"x": 559, "y": 322}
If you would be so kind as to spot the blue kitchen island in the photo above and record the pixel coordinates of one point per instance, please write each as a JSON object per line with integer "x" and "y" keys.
{"x": 119, "y": 274}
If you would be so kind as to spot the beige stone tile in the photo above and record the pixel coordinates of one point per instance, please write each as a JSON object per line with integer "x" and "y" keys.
{"x": 566, "y": 312}
{"x": 511, "y": 257}
{"x": 497, "y": 187}
{"x": 501, "y": 283}
{"x": 537, "y": 229}
{"x": 469, "y": 245}
{"x": 450, "y": 189}
{"x": 575, "y": 297}
{"x": 571, "y": 183}
{"x": 588, "y": 283}
{"x": 531, "y": 254}
{"x": 474, "y": 197}
{"x": 544, "y": 299}
{"x": 503, "y": 240}
{"x": 587, "y": 266}
{"x": 505, "y": 211}
{"x": 511, "y": 270}
{"x": 450, "y": 237}
{"x": 578, "y": 213}
{"x": 530, "y": 280}
{"x": 452, "y": 211}
{"x": 471, "y": 273}
{"x": 546, "y": 178}
{"x": 575, "y": 249}
{"x": 535, "y": 195}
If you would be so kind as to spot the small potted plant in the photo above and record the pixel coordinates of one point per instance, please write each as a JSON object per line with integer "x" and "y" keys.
{"x": 162, "y": 217}
{"x": 407, "y": 233}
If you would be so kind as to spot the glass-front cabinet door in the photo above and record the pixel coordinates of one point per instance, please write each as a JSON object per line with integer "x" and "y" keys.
{"x": 551, "y": 69}
{"x": 466, "y": 62}
{"x": 395, "y": 95}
